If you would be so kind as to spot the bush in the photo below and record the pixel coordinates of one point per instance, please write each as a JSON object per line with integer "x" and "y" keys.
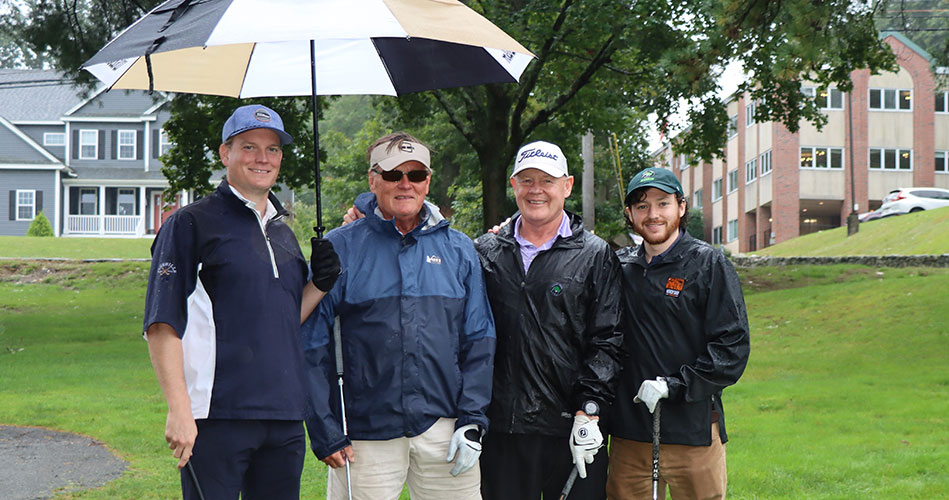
{"x": 40, "y": 226}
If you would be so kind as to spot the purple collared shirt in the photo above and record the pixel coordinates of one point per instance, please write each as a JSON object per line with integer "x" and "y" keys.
{"x": 529, "y": 251}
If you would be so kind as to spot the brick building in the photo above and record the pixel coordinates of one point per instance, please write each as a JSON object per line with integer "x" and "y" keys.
{"x": 773, "y": 185}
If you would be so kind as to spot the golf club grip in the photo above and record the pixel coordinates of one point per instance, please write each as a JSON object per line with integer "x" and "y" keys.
{"x": 194, "y": 478}
{"x": 338, "y": 341}
{"x": 655, "y": 450}
{"x": 569, "y": 484}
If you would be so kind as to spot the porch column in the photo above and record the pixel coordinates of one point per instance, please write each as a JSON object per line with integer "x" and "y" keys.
{"x": 142, "y": 221}
{"x": 101, "y": 210}
{"x": 65, "y": 210}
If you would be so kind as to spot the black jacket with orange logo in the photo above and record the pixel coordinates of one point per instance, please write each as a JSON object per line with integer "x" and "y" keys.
{"x": 687, "y": 323}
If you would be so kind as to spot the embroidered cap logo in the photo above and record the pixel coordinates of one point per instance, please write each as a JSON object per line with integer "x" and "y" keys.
{"x": 262, "y": 115}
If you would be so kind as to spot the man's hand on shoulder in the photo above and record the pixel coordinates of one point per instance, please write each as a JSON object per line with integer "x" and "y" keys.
{"x": 352, "y": 215}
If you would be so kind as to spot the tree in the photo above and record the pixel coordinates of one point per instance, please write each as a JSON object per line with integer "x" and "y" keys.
{"x": 601, "y": 65}
{"x": 40, "y": 226}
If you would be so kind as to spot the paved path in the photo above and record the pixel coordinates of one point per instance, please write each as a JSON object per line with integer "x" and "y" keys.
{"x": 35, "y": 462}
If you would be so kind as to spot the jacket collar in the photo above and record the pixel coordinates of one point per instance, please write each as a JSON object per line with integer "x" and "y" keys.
{"x": 430, "y": 217}
{"x": 638, "y": 254}
{"x": 575, "y": 240}
{"x": 224, "y": 191}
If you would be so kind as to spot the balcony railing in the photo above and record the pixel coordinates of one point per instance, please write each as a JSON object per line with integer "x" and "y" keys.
{"x": 105, "y": 225}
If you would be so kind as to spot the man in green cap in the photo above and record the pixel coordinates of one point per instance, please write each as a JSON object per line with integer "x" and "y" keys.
{"x": 687, "y": 339}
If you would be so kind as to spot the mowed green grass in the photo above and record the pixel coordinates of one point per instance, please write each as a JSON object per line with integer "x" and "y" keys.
{"x": 846, "y": 394}
{"x": 920, "y": 233}
{"x": 75, "y": 248}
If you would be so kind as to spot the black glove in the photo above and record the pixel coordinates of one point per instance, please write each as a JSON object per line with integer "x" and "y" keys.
{"x": 324, "y": 263}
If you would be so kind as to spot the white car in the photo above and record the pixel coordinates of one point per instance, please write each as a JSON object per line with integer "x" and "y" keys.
{"x": 913, "y": 199}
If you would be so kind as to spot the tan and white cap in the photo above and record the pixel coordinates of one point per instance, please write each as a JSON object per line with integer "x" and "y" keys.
{"x": 390, "y": 155}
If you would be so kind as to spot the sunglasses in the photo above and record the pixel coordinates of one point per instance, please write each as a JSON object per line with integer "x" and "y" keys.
{"x": 396, "y": 175}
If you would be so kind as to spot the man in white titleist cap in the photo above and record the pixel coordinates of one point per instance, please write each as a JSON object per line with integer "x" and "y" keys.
{"x": 555, "y": 294}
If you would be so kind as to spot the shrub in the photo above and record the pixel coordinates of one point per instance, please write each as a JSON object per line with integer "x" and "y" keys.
{"x": 40, "y": 226}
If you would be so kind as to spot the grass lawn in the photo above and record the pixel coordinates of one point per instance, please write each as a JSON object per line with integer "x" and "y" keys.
{"x": 75, "y": 248}
{"x": 921, "y": 233}
{"x": 846, "y": 394}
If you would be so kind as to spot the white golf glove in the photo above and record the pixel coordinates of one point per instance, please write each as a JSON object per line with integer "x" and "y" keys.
{"x": 651, "y": 391}
{"x": 585, "y": 441}
{"x": 467, "y": 442}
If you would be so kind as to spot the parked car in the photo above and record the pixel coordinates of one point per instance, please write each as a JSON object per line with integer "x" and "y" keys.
{"x": 869, "y": 216}
{"x": 913, "y": 199}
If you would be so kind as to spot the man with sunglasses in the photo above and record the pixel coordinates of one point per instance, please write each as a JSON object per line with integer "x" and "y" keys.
{"x": 417, "y": 340}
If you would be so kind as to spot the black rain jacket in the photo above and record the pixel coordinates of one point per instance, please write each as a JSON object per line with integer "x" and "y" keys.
{"x": 688, "y": 324}
{"x": 559, "y": 336}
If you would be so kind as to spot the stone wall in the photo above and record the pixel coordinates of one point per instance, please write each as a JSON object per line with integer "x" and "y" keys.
{"x": 865, "y": 260}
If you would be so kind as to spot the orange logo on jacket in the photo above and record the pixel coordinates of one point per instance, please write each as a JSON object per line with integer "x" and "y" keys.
{"x": 674, "y": 286}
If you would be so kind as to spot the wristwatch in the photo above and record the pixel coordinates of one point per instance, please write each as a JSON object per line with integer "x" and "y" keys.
{"x": 591, "y": 408}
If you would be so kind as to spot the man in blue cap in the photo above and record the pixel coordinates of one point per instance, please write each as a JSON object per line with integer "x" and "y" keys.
{"x": 688, "y": 340}
{"x": 227, "y": 290}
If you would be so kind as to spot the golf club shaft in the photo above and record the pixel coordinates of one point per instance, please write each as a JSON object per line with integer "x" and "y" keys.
{"x": 569, "y": 484}
{"x": 655, "y": 451}
{"x": 194, "y": 478}
{"x": 342, "y": 400}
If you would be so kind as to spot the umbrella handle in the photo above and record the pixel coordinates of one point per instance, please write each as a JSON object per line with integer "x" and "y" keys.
{"x": 316, "y": 143}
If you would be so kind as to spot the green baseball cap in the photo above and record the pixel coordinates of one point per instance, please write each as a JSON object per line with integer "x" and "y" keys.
{"x": 655, "y": 177}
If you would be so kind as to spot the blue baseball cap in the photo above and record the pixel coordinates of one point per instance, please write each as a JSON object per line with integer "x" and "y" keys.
{"x": 254, "y": 116}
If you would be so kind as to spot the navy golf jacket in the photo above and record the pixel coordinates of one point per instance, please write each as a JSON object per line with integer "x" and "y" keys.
{"x": 417, "y": 332}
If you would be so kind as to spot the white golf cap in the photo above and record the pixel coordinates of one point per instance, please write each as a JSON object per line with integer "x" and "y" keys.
{"x": 390, "y": 155}
{"x": 543, "y": 156}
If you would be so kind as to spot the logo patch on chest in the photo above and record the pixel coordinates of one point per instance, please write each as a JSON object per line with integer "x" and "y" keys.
{"x": 674, "y": 286}
{"x": 557, "y": 289}
{"x": 433, "y": 259}
{"x": 166, "y": 269}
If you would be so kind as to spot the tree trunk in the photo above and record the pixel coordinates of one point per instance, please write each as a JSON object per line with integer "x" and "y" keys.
{"x": 494, "y": 189}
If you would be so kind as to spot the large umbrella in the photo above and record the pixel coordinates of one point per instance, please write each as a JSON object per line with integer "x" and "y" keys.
{"x": 255, "y": 48}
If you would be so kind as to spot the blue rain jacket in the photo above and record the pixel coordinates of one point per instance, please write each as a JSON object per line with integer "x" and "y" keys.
{"x": 417, "y": 333}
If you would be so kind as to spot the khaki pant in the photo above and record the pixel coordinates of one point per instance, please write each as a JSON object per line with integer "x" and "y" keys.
{"x": 692, "y": 472}
{"x": 381, "y": 469}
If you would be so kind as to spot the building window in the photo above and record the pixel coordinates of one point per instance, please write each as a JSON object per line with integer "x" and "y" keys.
{"x": 717, "y": 235}
{"x": 126, "y": 201}
{"x": 126, "y": 144}
{"x": 825, "y": 99}
{"x": 891, "y": 159}
{"x": 891, "y": 99}
{"x": 733, "y": 230}
{"x": 733, "y": 181}
{"x": 751, "y": 170}
{"x": 25, "y": 204}
{"x": 750, "y": 113}
{"x": 822, "y": 158}
{"x": 942, "y": 102}
{"x": 164, "y": 144}
{"x": 732, "y": 126}
{"x": 88, "y": 201}
{"x": 765, "y": 160}
{"x": 942, "y": 161}
{"x": 88, "y": 144}
{"x": 54, "y": 138}
{"x": 697, "y": 199}
{"x": 716, "y": 190}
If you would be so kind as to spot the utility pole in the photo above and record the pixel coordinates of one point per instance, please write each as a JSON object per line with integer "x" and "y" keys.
{"x": 589, "y": 203}
{"x": 853, "y": 222}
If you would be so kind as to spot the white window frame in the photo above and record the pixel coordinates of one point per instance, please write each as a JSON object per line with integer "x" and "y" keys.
{"x": 120, "y": 144}
{"x": 897, "y": 154}
{"x": 697, "y": 198}
{"x": 48, "y": 138}
{"x": 717, "y": 235}
{"x": 95, "y": 194}
{"x": 816, "y": 151}
{"x": 733, "y": 181}
{"x": 897, "y": 94}
{"x": 716, "y": 190}
{"x": 164, "y": 143}
{"x": 118, "y": 200}
{"x": 751, "y": 170}
{"x": 945, "y": 162}
{"x": 732, "y": 126}
{"x": 765, "y": 162}
{"x": 732, "y": 230}
{"x": 83, "y": 134}
{"x": 944, "y": 97}
{"x": 750, "y": 113}
{"x": 22, "y": 203}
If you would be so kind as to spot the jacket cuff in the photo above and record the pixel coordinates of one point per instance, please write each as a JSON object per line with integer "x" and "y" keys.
{"x": 322, "y": 452}
{"x": 676, "y": 388}
{"x": 480, "y": 421}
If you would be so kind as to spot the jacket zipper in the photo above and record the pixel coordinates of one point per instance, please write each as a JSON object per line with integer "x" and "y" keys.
{"x": 273, "y": 260}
